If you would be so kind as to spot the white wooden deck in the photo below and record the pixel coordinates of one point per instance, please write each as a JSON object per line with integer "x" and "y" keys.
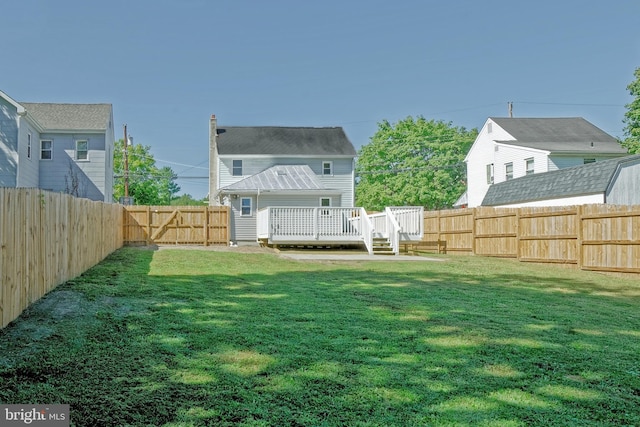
{"x": 334, "y": 226}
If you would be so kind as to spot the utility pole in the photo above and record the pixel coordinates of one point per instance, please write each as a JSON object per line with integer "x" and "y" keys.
{"x": 510, "y": 106}
{"x": 126, "y": 166}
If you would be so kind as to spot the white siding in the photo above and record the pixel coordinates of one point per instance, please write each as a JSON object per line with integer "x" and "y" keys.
{"x": 517, "y": 155}
{"x": 243, "y": 228}
{"x": 486, "y": 151}
{"x": 342, "y": 178}
{"x": 283, "y": 200}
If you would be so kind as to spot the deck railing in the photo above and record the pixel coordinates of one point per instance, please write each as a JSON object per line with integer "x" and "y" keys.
{"x": 309, "y": 225}
{"x": 393, "y": 231}
{"x": 411, "y": 221}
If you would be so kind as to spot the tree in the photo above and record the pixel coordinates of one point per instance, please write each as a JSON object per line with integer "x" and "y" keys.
{"x": 148, "y": 185}
{"x": 187, "y": 200}
{"x": 632, "y": 117}
{"x": 414, "y": 162}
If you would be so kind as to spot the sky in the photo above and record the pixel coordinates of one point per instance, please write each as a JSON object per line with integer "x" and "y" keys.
{"x": 167, "y": 66}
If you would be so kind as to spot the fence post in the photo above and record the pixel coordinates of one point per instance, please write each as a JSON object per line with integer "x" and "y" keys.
{"x": 474, "y": 213}
{"x": 517, "y": 230}
{"x": 579, "y": 236}
{"x": 149, "y": 241}
{"x": 438, "y": 229}
{"x": 206, "y": 226}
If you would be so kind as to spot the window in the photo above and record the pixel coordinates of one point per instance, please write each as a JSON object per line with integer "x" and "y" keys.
{"x": 28, "y": 146}
{"x": 489, "y": 127}
{"x": 327, "y": 168}
{"x": 529, "y": 166}
{"x": 237, "y": 168}
{"x": 508, "y": 171}
{"x": 589, "y": 161}
{"x": 82, "y": 150}
{"x": 46, "y": 150}
{"x": 245, "y": 206}
{"x": 325, "y": 202}
{"x": 490, "y": 173}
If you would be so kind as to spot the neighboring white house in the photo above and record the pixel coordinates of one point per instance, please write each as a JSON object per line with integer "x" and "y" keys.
{"x": 57, "y": 147}
{"x": 255, "y": 167}
{"x": 613, "y": 181}
{"x": 508, "y": 148}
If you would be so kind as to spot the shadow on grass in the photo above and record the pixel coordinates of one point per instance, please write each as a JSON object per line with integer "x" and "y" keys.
{"x": 326, "y": 344}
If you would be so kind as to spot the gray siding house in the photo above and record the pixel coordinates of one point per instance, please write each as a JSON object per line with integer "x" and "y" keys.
{"x": 58, "y": 147}
{"x": 255, "y": 167}
{"x": 614, "y": 181}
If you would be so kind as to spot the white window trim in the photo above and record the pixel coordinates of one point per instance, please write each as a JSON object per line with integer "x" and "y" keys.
{"x": 29, "y": 145}
{"x": 528, "y": 161}
{"x": 506, "y": 173}
{"x": 330, "y": 163}
{"x": 76, "y": 152}
{"x": 233, "y": 169}
{"x": 242, "y": 199}
{"x": 325, "y": 212}
{"x": 490, "y": 173}
{"x": 50, "y": 149}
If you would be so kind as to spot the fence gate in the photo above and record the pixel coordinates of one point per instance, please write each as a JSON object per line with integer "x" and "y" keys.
{"x": 176, "y": 225}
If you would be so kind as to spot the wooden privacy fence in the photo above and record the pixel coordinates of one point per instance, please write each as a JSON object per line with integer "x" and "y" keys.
{"x": 592, "y": 237}
{"x": 48, "y": 238}
{"x": 172, "y": 225}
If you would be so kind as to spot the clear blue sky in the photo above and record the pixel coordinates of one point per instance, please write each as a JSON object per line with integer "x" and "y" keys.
{"x": 166, "y": 66}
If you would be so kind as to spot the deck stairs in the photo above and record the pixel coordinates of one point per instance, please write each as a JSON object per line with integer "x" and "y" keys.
{"x": 382, "y": 246}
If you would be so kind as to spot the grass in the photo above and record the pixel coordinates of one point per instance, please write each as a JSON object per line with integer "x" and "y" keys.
{"x": 190, "y": 338}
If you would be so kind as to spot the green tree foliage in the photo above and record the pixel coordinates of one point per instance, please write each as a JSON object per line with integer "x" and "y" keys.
{"x": 632, "y": 117}
{"x": 148, "y": 184}
{"x": 416, "y": 162}
{"x": 187, "y": 200}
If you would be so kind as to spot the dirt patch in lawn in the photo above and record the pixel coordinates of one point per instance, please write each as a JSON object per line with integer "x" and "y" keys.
{"x": 58, "y": 311}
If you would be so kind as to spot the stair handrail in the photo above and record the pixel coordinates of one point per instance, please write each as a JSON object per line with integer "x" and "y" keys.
{"x": 366, "y": 230}
{"x": 393, "y": 229}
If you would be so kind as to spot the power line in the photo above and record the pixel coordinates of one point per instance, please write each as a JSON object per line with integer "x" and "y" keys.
{"x": 568, "y": 104}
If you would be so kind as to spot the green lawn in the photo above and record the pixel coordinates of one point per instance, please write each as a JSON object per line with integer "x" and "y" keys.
{"x": 190, "y": 337}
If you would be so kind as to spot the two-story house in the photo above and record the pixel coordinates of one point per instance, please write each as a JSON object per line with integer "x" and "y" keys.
{"x": 58, "y": 147}
{"x": 254, "y": 167}
{"x": 507, "y": 148}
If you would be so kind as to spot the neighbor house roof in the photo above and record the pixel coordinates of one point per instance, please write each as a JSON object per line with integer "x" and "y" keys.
{"x": 580, "y": 180}
{"x": 290, "y": 141}
{"x": 559, "y": 135}
{"x": 279, "y": 178}
{"x": 88, "y": 117}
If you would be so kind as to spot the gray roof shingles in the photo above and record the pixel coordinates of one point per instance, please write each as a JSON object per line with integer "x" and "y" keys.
{"x": 559, "y": 135}
{"x": 281, "y": 177}
{"x": 580, "y": 180}
{"x": 290, "y": 141}
{"x": 90, "y": 117}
